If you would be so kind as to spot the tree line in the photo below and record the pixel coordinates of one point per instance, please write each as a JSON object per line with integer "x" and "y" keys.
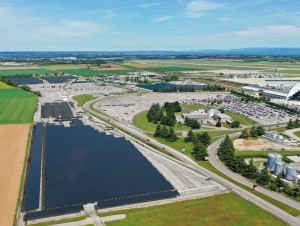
{"x": 249, "y": 98}
{"x": 293, "y": 124}
{"x": 254, "y": 132}
{"x": 283, "y": 107}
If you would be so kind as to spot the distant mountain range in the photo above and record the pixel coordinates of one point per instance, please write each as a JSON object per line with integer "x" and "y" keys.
{"x": 117, "y": 54}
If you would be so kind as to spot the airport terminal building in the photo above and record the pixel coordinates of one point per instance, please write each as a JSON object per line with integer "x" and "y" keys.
{"x": 293, "y": 94}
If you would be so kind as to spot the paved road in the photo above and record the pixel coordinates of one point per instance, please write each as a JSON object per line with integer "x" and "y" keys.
{"x": 291, "y": 133}
{"x": 247, "y": 195}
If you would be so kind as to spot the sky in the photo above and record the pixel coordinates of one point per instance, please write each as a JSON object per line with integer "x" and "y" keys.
{"x": 123, "y": 25}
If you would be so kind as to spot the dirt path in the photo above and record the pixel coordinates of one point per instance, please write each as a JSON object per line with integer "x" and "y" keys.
{"x": 13, "y": 141}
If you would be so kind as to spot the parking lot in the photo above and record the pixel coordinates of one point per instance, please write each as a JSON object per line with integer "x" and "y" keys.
{"x": 126, "y": 106}
{"x": 259, "y": 112}
{"x": 219, "y": 98}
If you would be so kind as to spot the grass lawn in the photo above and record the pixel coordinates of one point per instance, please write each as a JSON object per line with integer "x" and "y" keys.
{"x": 241, "y": 118}
{"x": 140, "y": 121}
{"x": 297, "y": 133}
{"x": 64, "y": 66}
{"x": 192, "y": 107}
{"x": 89, "y": 72}
{"x": 6, "y": 73}
{"x": 16, "y": 106}
{"x": 217, "y": 133}
{"x": 225, "y": 209}
{"x": 82, "y": 99}
{"x": 178, "y": 145}
{"x": 60, "y": 221}
{"x": 5, "y": 86}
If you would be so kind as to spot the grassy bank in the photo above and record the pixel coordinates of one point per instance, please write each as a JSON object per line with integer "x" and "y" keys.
{"x": 226, "y": 209}
{"x": 82, "y": 99}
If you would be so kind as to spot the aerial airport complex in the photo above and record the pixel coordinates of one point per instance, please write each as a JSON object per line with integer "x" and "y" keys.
{"x": 95, "y": 153}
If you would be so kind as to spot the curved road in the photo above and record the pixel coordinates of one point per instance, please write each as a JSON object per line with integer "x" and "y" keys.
{"x": 212, "y": 149}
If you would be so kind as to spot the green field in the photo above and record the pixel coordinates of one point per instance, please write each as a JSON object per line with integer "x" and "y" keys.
{"x": 5, "y": 86}
{"x": 82, "y": 99}
{"x": 173, "y": 69}
{"x": 241, "y": 118}
{"x": 16, "y": 106}
{"x": 226, "y": 209}
{"x": 89, "y": 72}
{"x": 192, "y": 107}
{"x": 218, "y": 133}
{"x": 23, "y": 72}
{"x": 291, "y": 69}
{"x": 178, "y": 145}
{"x": 140, "y": 121}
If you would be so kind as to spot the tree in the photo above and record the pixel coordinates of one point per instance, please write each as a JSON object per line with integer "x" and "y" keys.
{"x": 218, "y": 123}
{"x": 172, "y": 137}
{"x": 158, "y": 131}
{"x": 204, "y": 138}
{"x": 190, "y": 136}
{"x": 279, "y": 183}
{"x": 235, "y": 124}
{"x": 164, "y": 132}
{"x": 260, "y": 130}
{"x": 264, "y": 177}
{"x": 245, "y": 134}
{"x": 226, "y": 150}
{"x": 250, "y": 170}
{"x": 199, "y": 151}
{"x": 253, "y": 132}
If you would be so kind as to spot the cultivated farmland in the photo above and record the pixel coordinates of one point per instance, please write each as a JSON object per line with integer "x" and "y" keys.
{"x": 24, "y": 72}
{"x": 89, "y": 72}
{"x": 12, "y": 154}
{"x": 16, "y": 106}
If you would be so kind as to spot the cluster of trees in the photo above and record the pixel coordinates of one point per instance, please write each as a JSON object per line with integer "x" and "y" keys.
{"x": 226, "y": 153}
{"x": 174, "y": 89}
{"x": 28, "y": 89}
{"x": 249, "y": 98}
{"x": 215, "y": 88}
{"x": 173, "y": 77}
{"x": 283, "y": 107}
{"x": 163, "y": 132}
{"x": 165, "y": 115}
{"x": 293, "y": 124}
{"x": 193, "y": 123}
{"x": 200, "y": 143}
{"x": 254, "y": 132}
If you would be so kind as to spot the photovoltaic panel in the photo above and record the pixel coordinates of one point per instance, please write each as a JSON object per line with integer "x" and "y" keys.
{"x": 32, "y": 192}
{"x": 83, "y": 166}
{"x": 26, "y": 80}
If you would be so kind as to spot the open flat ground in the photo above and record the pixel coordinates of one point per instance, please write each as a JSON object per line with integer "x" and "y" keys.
{"x": 4, "y": 86}
{"x": 12, "y": 154}
{"x": 226, "y": 209}
{"x": 217, "y": 66}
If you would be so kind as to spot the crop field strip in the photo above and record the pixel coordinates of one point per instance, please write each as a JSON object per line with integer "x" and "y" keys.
{"x": 90, "y": 72}
{"x": 75, "y": 152}
{"x": 24, "y": 72}
{"x": 16, "y": 106}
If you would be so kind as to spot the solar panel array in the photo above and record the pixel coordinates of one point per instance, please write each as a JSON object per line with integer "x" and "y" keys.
{"x": 83, "y": 166}
{"x": 26, "y": 81}
{"x": 58, "y": 110}
{"x": 58, "y": 79}
{"x": 32, "y": 191}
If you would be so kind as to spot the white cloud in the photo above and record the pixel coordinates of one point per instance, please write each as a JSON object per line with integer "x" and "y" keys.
{"x": 197, "y": 8}
{"x": 149, "y": 5}
{"x": 270, "y": 31}
{"x": 162, "y": 19}
{"x": 225, "y": 19}
{"x": 108, "y": 14}
{"x": 68, "y": 29}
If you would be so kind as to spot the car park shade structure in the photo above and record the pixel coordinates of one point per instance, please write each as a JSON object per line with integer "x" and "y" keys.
{"x": 58, "y": 79}
{"x": 83, "y": 166}
{"x": 58, "y": 110}
{"x": 26, "y": 81}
